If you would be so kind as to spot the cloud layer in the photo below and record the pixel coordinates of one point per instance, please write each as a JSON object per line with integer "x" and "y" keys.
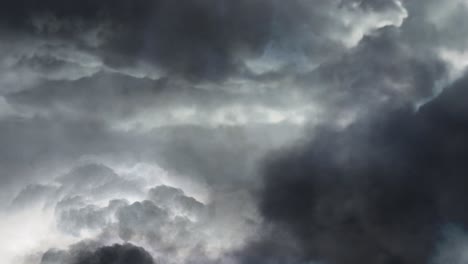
{"x": 250, "y": 131}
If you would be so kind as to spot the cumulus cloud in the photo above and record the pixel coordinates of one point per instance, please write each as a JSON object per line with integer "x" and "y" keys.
{"x": 93, "y": 202}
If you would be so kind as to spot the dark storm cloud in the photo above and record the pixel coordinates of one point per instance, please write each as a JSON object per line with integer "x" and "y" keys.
{"x": 381, "y": 69}
{"x": 196, "y": 38}
{"x": 379, "y": 191}
{"x": 77, "y": 76}
{"x": 108, "y": 98}
{"x": 147, "y": 82}
{"x": 85, "y": 254}
{"x": 190, "y": 38}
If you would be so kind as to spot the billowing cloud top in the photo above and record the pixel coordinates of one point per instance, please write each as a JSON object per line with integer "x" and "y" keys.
{"x": 233, "y": 131}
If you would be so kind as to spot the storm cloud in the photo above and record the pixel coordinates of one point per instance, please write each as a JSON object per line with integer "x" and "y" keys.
{"x": 233, "y": 132}
{"x": 121, "y": 254}
{"x": 379, "y": 191}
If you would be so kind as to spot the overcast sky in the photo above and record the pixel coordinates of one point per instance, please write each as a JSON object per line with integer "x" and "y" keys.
{"x": 234, "y": 132}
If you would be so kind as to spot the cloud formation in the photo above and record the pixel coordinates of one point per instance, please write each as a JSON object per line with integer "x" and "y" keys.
{"x": 115, "y": 254}
{"x": 378, "y": 191}
{"x": 233, "y": 132}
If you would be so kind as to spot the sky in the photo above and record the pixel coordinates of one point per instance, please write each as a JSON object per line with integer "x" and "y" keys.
{"x": 234, "y": 132}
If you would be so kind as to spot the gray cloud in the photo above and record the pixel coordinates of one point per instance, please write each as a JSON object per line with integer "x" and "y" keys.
{"x": 173, "y": 226}
{"x": 83, "y": 254}
{"x": 378, "y": 191}
{"x": 232, "y": 131}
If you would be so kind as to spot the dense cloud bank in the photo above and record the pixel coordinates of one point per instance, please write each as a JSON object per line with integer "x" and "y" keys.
{"x": 379, "y": 191}
{"x": 193, "y": 38}
{"x": 222, "y": 131}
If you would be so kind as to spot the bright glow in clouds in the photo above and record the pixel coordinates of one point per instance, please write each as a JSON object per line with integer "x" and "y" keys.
{"x": 456, "y": 60}
{"x": 153, "y": 175}
{"x": 33, "y": 230}
{"x": 360, "y": 23}
{"x": 234, "y": 115}
{"x": 47, "y": 225}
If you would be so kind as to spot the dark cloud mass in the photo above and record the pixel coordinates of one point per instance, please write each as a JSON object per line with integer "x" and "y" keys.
{"x": 116, "y": 254}
{"x": 233, "y": 132}
{"x": 378, "y": 191}
{"x": 193, "y": 38}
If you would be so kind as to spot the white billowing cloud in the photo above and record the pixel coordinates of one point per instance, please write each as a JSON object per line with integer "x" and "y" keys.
{"x": 151, "y": 174}
{"x": 94, "y": 202}
{"x": 29, "y": 231}
{"x": 456, "y": 60}
{"x": 359, "y": 22}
